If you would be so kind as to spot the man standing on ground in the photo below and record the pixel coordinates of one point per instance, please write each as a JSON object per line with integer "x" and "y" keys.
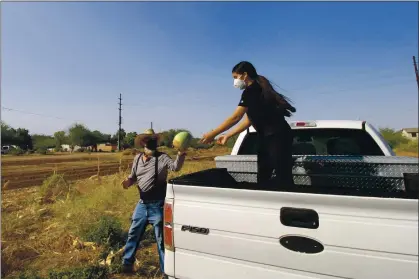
{"x": 149, "y": 172}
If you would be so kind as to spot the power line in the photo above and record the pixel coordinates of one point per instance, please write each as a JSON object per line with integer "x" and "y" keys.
{"x": 57, "y": 117}
{"x": 38, "y": 114}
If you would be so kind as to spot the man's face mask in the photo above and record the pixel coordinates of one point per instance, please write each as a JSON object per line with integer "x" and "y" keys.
{"x": 150, "y": 147}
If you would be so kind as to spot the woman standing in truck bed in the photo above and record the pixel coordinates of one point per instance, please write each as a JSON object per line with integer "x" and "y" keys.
{"x": 265, "y": 110}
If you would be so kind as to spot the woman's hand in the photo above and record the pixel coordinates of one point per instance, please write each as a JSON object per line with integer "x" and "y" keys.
{"x": 222, "y": 140}
{"x": 207, "y": 138}
{"x": 227, "y": 124}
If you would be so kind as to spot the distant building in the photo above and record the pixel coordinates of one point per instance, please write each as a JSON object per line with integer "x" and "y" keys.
{"x": 91, "y": 148}
{"x": 410, "y": 133}
{"x": 67, "y": 148}
{"x": 107, "y": 147}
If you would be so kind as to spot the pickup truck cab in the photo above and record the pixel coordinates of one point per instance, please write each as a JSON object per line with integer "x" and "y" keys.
{"x": 325, "y": 137}
{"x": 357, "y": 218}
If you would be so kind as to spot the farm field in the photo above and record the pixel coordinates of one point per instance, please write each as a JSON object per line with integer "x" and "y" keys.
{"x": 32, "y": 170}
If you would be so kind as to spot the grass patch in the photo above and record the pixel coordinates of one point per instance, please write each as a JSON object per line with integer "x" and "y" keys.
{"x": 106, "y": 231}
{"x": 27, "y": 275}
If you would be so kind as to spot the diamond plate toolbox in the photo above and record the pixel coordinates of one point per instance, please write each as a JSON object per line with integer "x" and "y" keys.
{"x": 342, "y": 171}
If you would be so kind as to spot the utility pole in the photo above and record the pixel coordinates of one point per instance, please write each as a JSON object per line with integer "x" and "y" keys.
{"x": 416, "y": 70}
{"x": 120, "y": 121}
{"x": 151, "y": 125}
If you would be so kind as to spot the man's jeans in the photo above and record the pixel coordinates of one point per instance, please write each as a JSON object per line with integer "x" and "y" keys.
{"x": 145, "y": 213}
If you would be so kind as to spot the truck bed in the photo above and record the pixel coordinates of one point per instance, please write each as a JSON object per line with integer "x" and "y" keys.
{"x": 222, "y": 178}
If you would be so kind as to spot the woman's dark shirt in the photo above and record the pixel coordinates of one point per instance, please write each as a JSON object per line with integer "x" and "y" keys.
{"x": 266, "y": 117}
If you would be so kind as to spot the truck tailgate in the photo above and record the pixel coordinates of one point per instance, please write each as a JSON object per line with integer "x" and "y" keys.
{"x": 236, "y": 233}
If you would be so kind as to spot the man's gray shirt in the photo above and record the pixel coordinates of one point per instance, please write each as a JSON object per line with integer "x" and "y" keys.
{"x": 144, "y": 172}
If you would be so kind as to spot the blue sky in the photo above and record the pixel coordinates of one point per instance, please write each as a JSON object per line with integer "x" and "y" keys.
{"x": 172, "y": 61}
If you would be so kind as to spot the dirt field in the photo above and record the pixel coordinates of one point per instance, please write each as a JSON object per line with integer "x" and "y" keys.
{"x": 26, "y": 171}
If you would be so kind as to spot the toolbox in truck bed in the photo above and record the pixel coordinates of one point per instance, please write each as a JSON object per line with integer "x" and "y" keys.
{"x": 346, "y": 171}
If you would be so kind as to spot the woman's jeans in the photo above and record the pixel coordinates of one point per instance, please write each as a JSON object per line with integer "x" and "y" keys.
{"x": 275, "y": 153}
{"x": 146, "y": 212}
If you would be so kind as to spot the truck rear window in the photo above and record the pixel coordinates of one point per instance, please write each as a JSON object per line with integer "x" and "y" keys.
{"x": 323, "y": 142}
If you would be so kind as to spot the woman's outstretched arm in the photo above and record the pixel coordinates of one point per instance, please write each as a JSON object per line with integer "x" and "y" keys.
{"x": 237, "y": 130}
{"x": 227, "y": 124}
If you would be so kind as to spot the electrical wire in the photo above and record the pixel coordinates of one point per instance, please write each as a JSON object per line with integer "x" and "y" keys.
{"x": 38, "y": 114}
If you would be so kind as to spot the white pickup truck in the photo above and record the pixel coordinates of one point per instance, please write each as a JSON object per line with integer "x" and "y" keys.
{"x": 353, "y": 212}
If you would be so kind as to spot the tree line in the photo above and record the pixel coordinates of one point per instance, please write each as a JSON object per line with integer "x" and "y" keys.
{"x": 80, "y": 135}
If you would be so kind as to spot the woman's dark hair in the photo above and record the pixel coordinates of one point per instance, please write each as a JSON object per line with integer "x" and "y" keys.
{"x": 268, "y": 91}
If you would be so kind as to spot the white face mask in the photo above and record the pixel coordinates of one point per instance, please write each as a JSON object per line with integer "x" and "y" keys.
{"x": 238, "y": 83}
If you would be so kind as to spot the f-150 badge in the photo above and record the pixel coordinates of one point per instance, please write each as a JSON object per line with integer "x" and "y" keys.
{"x": 195, "y": 229}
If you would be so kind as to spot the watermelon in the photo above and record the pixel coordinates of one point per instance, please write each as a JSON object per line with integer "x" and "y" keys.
{"x": 182, "y": 140}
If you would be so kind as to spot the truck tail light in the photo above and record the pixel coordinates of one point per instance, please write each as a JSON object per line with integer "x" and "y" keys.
{"x": 168, "y": 226}
{"x": 303, "y": 124}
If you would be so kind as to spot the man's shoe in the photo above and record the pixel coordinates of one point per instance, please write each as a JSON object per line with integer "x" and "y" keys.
{"x": 127, "y": 268}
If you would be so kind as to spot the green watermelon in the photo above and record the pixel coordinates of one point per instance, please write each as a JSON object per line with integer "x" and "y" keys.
{"x": 182, "y": 140}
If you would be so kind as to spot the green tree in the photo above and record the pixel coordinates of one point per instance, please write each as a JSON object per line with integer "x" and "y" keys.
{"x": 19, "y": 137}
{"x": 23, "y": 139}
{"x": 98, "y": 137}
{"x": 114, "y": 138}
{"x": 129, "y": 139}
{"x": 79, "y": 135}
{"x": 60, "y": 139}
{"x": 8, "y": 134}
{"x": 43, "y": 142}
